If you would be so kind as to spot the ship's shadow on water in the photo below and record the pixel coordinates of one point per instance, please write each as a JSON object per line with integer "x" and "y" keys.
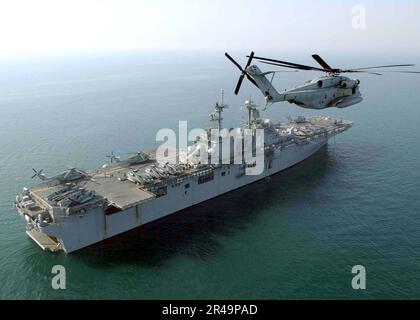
{"x": 193, "y": 232}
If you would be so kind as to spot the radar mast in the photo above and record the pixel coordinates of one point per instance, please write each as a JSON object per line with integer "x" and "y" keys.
{"x": 216, "y": 116}
{"x": 253, "y": 113}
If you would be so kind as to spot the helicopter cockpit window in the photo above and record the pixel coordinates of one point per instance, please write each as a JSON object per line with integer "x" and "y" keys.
{"x": 320, "y": 83}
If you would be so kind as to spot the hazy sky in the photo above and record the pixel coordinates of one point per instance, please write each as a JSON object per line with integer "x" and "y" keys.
{"x": 44, "y": 26}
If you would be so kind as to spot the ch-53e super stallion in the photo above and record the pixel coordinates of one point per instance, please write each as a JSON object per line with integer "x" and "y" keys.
{"x": 331, "y": 90}
{"x": 69, "y": 175}
{"x": 135, "y": 158}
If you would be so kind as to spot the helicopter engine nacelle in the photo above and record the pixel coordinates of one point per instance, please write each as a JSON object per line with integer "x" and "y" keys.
{"x": 349, "y": 84}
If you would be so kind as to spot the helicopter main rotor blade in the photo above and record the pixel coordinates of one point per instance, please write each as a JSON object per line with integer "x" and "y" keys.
{"x": 37, "y": 173}
{"x": 387, "y": 66}
{"x": 379, "y": 74}
{"x": 280, "y": 71}
{"x": 290, "y": 64}
{"x": 322, "y": 62}
{"x": 415, "y": 72}
{"x": 282, "y": 65}
{"x": 234, "y": 62}
{"x": 356, "y": 71}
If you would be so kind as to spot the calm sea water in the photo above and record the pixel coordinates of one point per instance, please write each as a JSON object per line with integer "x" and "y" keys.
{"x": 295, "y": 236}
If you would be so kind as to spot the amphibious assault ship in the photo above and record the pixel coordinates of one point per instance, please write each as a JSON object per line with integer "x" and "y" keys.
{"x": 76, "y": 209}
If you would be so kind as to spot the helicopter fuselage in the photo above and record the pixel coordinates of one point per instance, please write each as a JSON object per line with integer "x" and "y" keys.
{"x": 325, "y": 92}
{"x": 66, "y": 176}
{"x": 320, "y": 93}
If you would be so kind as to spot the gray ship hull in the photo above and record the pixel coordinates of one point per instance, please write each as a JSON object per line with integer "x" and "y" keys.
{"x": 85, "y": 230}
{"x": 124, "y": 206}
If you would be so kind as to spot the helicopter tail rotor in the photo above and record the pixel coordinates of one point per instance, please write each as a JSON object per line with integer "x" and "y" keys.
{"x": 244, "y": 72}
{"x": 39, "y": 174}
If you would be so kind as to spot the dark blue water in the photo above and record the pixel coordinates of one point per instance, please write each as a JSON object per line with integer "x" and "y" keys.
{"x": 297, "y": 235}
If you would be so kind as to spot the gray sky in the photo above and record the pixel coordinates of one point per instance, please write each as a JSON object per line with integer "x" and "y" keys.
{"x": 54, "y": 26}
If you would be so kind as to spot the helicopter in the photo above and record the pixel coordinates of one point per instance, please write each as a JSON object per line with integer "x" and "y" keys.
{"x": 136, "y": 158}
{"x": 71, "y": 174}
{"x": 331, "y": 90}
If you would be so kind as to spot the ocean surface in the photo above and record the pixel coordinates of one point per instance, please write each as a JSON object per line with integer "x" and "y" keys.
{"x": 295, "y": 236}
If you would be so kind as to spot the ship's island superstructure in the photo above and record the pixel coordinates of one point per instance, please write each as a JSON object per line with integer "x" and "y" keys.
{"x": 77, "y": 209}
